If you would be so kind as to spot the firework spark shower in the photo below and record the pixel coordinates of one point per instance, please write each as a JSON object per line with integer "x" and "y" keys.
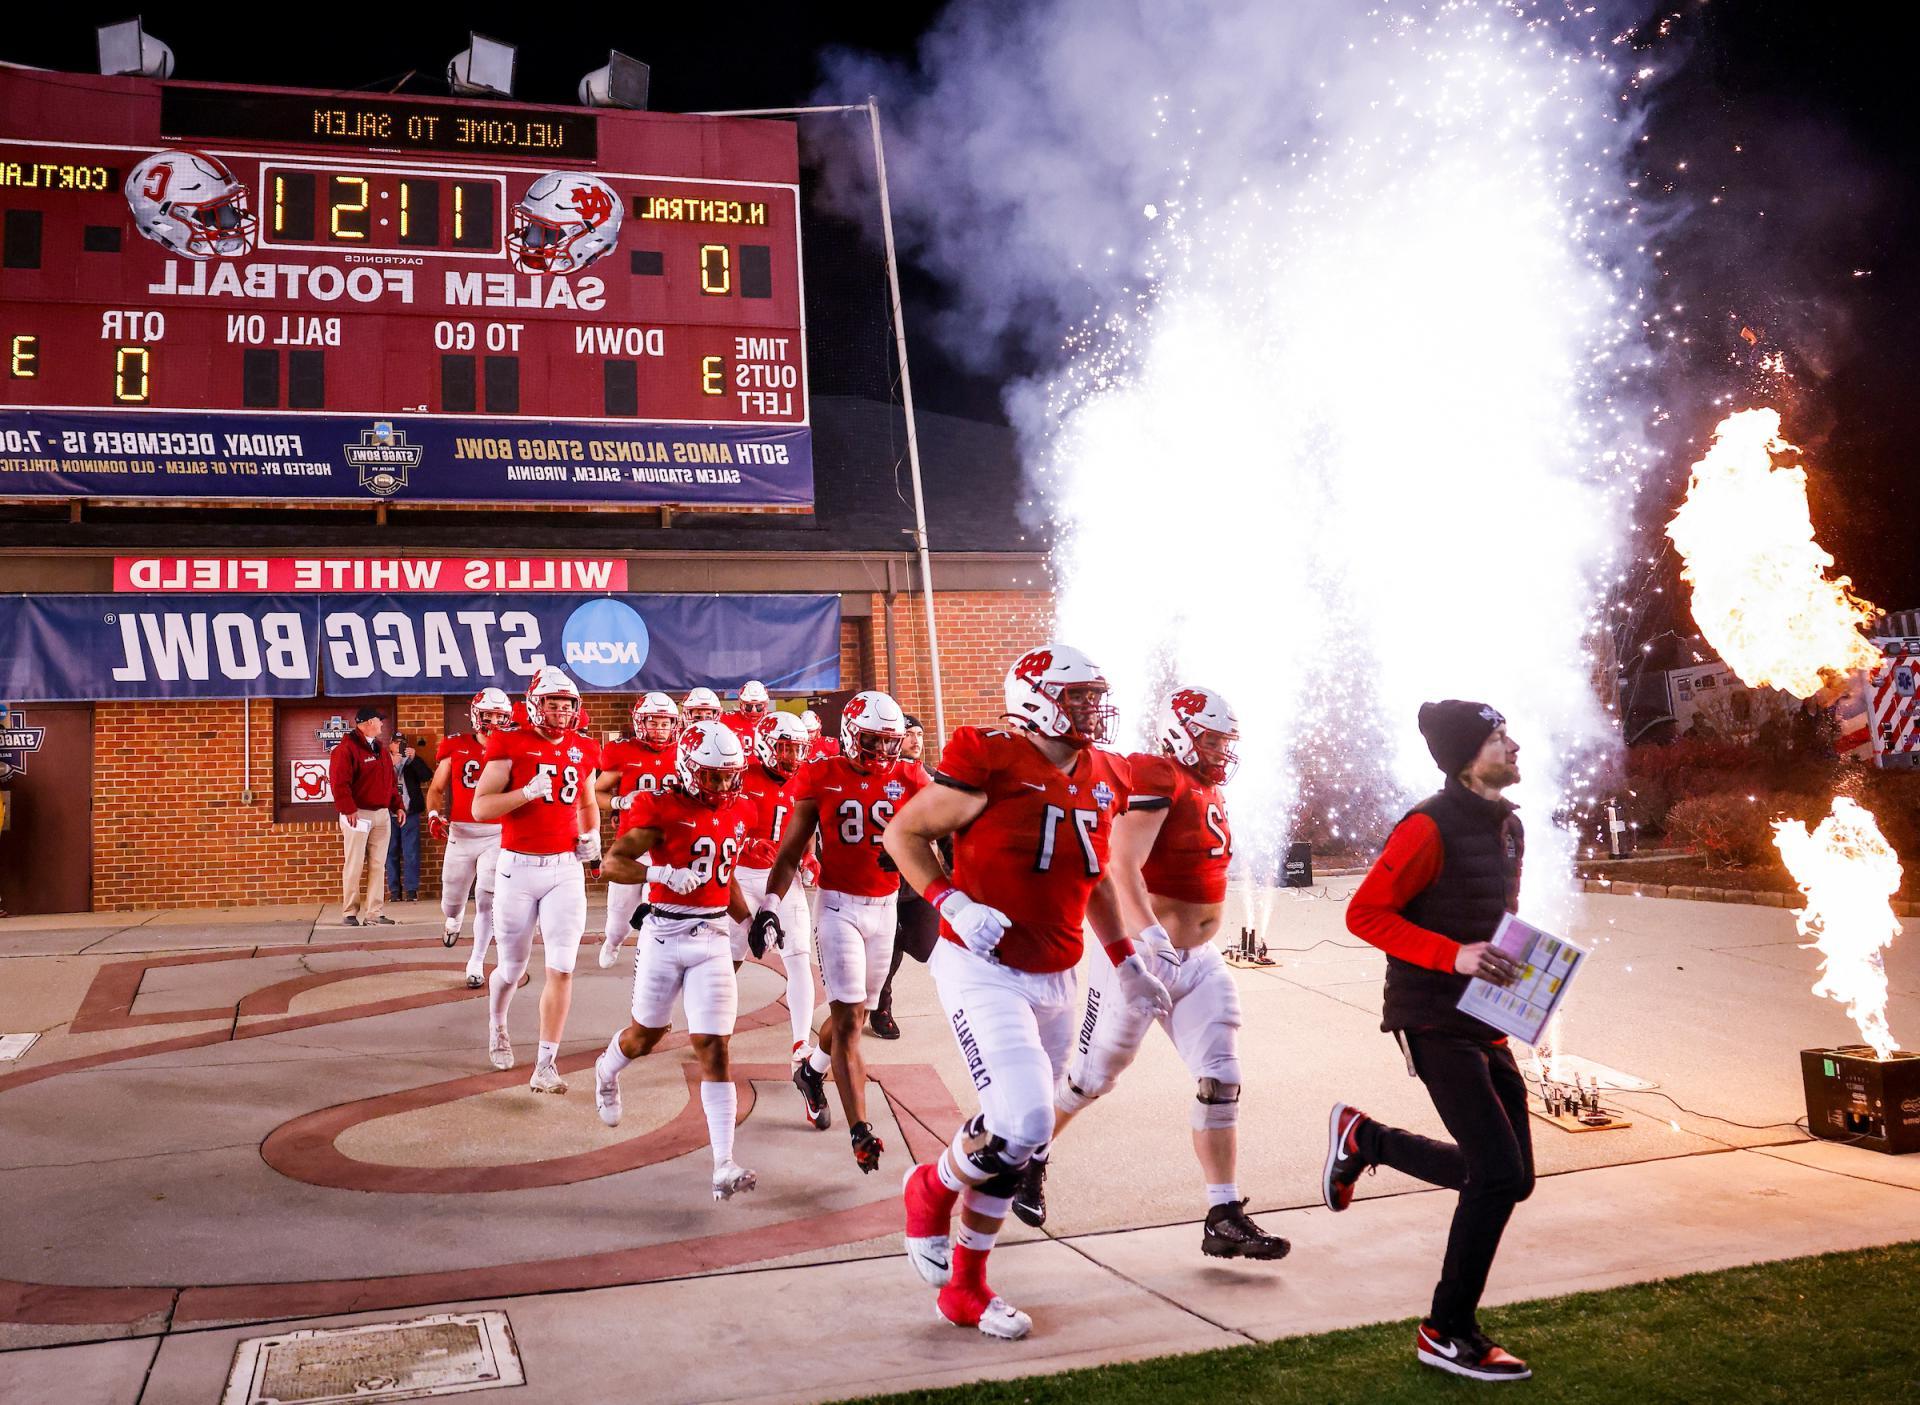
{"x": 1347, "y": 419}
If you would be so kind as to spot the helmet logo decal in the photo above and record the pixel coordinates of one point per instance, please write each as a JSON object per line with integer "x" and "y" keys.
{"x": 593, "y": 203}
{"x": 1031, "y": 669}
{"x": 1188, "y": 701}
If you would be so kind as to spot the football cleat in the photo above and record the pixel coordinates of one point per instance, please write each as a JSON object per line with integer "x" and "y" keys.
{"x": 881, "y": 1021}
{"x": 1344, "y": 1161}
{"x": 1229, "y": 1234}
{"x": 1030, "y": 1199}
{"x": 450, "y": 935}
{"x": 546, "y": 1079}
{"x": 1476, "y": 1356}
{"x": 729, "y": 1180}
{"x": 610, "y": 949}
{"x": 813, "y": 1097}
{"x": 500, "y": 1048}
{"x": 476, "y": 975}
{"x": 929, "y": 1207}
{"x": 985, "y": 1309}
{"x": 866, "y": 1147}
{"x": 606, "y": 1095}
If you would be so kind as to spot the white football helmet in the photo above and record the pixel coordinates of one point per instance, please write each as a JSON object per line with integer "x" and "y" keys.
{"x": 1199, "y": 731}
{"x": 1057, "y": 691}
{"x": 872, "y": 726}
{"x": 550, "y": 685}
{"x": 701, "y": 705}
{"x": 656, "y": 720}
{"x": 712, "y": 762}
{"x": 491, "y": 710}
{"x": 191, "y": 205}
{"x": 565, "y": 221}
{"x": 811, "y": 721}
{"x": 754, "y": 701}
{"x": 779, "y": 730}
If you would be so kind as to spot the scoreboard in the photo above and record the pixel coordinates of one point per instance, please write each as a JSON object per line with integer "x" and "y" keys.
{"x": 213, "y": 293}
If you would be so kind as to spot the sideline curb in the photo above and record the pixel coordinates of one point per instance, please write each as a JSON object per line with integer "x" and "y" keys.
{"x": 1750, "y": 896}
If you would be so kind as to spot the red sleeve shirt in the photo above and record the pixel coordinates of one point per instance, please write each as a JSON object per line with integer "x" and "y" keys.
{"x": 362, "y": 776}
{"x": 1191, "y": 853}
{"x": 643, "y": 770}
{"x": 1410, "y": 861}
{"x": 544, "y": 826}
{"x": 469, "y": 758}
{"x": 1039, "y": 848}
{"x": 708, "y": 839}
{"x": 773, "y": 799}
{"x": 855, "y": 808}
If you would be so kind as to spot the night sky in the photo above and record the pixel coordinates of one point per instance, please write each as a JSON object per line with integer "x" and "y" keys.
{"x": 1808, "y": 246}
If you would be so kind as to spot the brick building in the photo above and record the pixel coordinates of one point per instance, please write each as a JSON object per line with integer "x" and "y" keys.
{"x": 164, "y": 802}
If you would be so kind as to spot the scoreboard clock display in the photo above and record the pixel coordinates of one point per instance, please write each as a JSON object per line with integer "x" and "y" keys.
{"x": 211, "y": 293}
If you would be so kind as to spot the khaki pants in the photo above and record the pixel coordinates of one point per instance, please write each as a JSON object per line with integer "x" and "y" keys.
{"x": 365, "y": 848}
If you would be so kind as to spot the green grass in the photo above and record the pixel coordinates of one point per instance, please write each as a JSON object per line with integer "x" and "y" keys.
{"x": 1819, "y": 1331}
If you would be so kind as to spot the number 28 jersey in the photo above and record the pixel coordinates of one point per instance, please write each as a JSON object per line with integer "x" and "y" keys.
{"x": 544, "y": 826}
{"x": 1191, "y": 853}
{"x": 855, "y": 809}
{"x": 469, "y": 757}
{"x": 1040, "y": 847}
{"x": 709, "y": 839}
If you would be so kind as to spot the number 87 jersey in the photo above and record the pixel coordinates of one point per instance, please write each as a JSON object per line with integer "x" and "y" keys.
{"x": 1040, "y": 847}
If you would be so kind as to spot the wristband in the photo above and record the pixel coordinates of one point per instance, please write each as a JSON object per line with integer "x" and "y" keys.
{"x": 1118, "y": 951}
{"x": 657, "y": 872}
{"x": 768, "y": 903}
{"x": 939, "y": 891}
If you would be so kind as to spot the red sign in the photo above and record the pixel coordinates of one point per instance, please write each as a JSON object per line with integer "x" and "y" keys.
{"x": 367, "y": 574}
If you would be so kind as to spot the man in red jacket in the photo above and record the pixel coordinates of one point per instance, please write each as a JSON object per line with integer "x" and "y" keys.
{"x": 366, "y": 794}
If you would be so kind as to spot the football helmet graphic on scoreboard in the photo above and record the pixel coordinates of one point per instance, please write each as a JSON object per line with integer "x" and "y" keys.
{"x": 191, "y": 205}
{"x": 564, "y": 222}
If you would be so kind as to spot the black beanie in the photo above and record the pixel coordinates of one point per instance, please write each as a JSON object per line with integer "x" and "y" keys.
{"x": 1456, "y": 730}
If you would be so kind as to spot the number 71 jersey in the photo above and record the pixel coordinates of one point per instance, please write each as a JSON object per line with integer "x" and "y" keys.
{"x": 1040, "y": 847}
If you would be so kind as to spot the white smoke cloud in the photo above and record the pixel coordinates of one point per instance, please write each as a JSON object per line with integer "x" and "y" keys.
{"x": 1344, "y": 311}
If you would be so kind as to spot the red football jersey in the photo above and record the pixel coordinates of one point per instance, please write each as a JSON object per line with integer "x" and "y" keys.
{"x": 823, "y": 745}
{"x": 640, "y": 768}
{"x": 854, "y": 810}
{"x": 708, "y": 839}
{"x": 1039, "y": 848}
{"x": 1191, "y": 853}
{"x": 743, "y": 725}
{"x": 544, "y": 826}
{"x": 469, "y": 756}
{"x": 774, "y": 799}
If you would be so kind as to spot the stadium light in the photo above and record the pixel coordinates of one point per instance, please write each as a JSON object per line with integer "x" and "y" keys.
{"x": 126, "y": 47}
{"x": 620, "y": 82}
{"x": 484, "y": 68}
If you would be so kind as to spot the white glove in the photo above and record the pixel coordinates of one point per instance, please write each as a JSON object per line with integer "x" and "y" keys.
{"x": 540, "y": 787}
{"x": 586, "y": 847}
{"x": 1141, "y": 988}
{"x": 1155, "y": 938}
{"x": 978, "y": 926}
{"x": 620, "y": 802}
{"x": 680, "y": 880}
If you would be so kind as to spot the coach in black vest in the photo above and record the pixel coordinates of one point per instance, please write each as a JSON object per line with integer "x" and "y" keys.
{"x": 1431, "y": 901}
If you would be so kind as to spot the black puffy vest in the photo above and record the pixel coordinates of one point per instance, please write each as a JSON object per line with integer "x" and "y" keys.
{"x": 1482, "y": 847}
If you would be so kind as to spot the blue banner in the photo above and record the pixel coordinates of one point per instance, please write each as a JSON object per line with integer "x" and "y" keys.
{"x": 78, "y": 648}
{"x": 156, "y": 456}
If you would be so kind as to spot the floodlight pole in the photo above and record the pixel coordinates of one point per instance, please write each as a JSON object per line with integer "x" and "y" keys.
{"x": 872, "y": 108}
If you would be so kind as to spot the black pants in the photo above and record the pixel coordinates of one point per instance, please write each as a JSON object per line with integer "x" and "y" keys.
{"x": 916, "y": 929}
{"x": 1480, "y": 1096}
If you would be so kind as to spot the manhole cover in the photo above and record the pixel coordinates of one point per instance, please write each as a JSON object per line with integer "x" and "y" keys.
{"x": 449, "y": 1353}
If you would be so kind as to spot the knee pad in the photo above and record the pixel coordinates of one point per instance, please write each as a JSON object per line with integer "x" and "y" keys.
{"x": 1069, "y": 1096}
{"x": 989, "y": 1156}
{"x": 1216, "y": 1103}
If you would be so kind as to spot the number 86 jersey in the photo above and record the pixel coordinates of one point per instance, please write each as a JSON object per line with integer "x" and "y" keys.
{"x": 547, "y": 826}
{"x": 1040, "y": 847}
{"x": 709, "y": 839}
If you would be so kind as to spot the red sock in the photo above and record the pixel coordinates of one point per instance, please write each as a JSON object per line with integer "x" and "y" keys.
{"x": 970, "y": 1268}
{"x": 935, "y": 1190}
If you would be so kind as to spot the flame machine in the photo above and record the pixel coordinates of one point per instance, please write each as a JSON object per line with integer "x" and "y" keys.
{"x": 1856, "y": 1096}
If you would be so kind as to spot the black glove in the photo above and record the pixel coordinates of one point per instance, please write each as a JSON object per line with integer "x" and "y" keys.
{"x": 757, "y": 929}
{"x": 639, "y": 915}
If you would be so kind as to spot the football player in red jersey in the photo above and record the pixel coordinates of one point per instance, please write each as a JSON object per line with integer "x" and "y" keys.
{"x": 753, "y": 703}
{"x": 473, "y": 849}
{"x": 538, "y": 785}
{"x": 700, "y": 705}
{"x": 1031, "y": 809}
{"x": 643, "y": 764}
{"x": 772, "y": 778}
{"x": 1170, "y": 856}
{"x": 817, "y": 745}
{"x": 691, "y": 835}
{"x": 848, "y": 800}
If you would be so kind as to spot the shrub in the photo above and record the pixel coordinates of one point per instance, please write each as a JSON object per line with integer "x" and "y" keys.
{"x": 1728, "y": 830}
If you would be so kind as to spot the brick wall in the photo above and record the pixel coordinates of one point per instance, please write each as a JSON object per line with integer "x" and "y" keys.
{"x": 170, "y": 828}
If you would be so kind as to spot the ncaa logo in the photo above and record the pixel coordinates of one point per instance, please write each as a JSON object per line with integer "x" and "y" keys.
{"x": 604, "y": 643}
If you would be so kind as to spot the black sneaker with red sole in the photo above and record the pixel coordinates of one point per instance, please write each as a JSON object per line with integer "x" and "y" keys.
{"x": 813, "y": 1093}
{"x": 866, "y": 1147}
{"x": 1476, "y": 1356}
